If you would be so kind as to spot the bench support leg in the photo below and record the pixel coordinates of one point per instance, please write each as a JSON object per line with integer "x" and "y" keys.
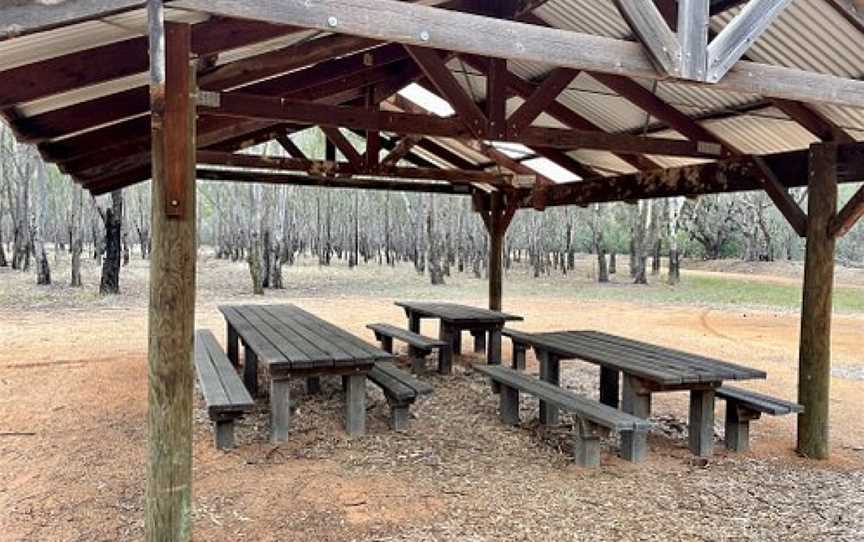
{"x": 508, "y": 405}
{"x": 550, "y": 371}
{"x": 355, "y": 405}
{"x": 445, "y": 354}
{"x": 280, "y": 408}
{"x": 738, "y": 426}
{"x": 635, "y": 398}
{"x": 586, "y": 445}
{"x": 400, "y": 416}
{"x": 457, "y": 342}
{"x": 224, "y": 434}
{"x": 418, "y": 359}
{"x": 609, "y": 387}
{"x": 519, "y": 356}
{"x": 479, "y": 341}
{"x": 233, "y": 345}
{"x": 634, "y": 446}
{"x": 702, "y": 422}
{"x": 387, "y": 344}
{"x": 250, "y": 371}
{"x": 313, "y": 385}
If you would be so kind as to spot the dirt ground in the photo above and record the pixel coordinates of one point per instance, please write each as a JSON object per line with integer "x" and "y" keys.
{"x": 73, "y": 430}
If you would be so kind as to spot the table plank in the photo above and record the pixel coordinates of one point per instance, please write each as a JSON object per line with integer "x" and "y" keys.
{"x": 265, "y": 350}
{"x": 455, "y": 313}
{"x": 299, "y": 351}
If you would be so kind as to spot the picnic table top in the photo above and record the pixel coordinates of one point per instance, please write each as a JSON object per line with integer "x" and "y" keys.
{"x": 288, "y": 337}
{"x": 456, "y": 313}
{"x": 664, "y": 366}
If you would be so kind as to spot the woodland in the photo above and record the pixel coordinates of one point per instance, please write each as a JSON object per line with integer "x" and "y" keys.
{"x": 271, "y": 226}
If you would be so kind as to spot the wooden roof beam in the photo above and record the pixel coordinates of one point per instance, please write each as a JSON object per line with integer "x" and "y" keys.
{"x": 489, "y": 37}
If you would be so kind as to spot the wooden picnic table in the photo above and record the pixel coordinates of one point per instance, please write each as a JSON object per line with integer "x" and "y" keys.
{"x": 646, "y": 369}
{"x": 294, "y": 343}
{"x": 455, "y": 319}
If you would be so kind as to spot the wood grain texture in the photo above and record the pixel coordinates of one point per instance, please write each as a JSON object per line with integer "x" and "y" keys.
{"x": 171, "y": 312}
{"x": 466, "y": 33}
{"x": 814, "y": 358}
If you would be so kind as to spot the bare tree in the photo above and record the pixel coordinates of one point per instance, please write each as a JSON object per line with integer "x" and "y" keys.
{"x": 77, "y": 241}
{"x": 112, "y": 218}
{"x": 37, "y": 223}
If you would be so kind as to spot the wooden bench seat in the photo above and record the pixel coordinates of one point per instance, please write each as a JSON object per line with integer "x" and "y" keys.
{"x": 521, "y": 341}
{"x": 743, "y": 406}
{"x": 401, "y": 390}
{"x": 419, "y": 346}
{"x": 226, "y": 397}
{"x": 595, "y": 419}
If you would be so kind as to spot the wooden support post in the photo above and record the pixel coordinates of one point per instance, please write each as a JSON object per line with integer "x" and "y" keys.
{"x": 386, "y": 343}
{"x": 634, "y": 446}
{"x": 586, "y": 444}
{"x": 232, "y": 344}
{"x": 549, "y": 372}
{"x": 814, "y": 362}
{"x": 519, "y": 350}
{"x": 171, "y": 319}
{"x": 494, "y": 355}
{"x": 418, "y": 359}
{"x": 355, "y": 405}
{"x": 457, "y": 342}
{"x": 413, "y": 322}
{"x": 479, "y": 341}
{"x": 280, "y": 405}
{"x": 445, "y": 354}
{"x": 250, "y": 371}
{"x": 508, "y": 405}
{"x": 496, "y": 255}
{"x": 224, "y": 434}
{"x": 609, "y": 386}
{"x": 636, "y": 399}
{"x": 313, "y": 385}
{"x": 701, "y": 428}
{"x": 738, "y": 420}
{"x": 400, "y": 416}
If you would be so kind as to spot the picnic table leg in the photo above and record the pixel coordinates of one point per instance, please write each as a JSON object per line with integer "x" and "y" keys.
{"x": 250, "y": 371}
{"x": 457, "y": 341}
{"x": 494, "y": 355}
{"x": 702, "y": 422}
{"x": 413, "y": 322}
{"x": 550, "y": 371}
{"x": 738, "y": 426}
{"x": 313, "y": 385}
{"x": 355, "y": 405}
{"x": 479, "y": 341}
{"x": 445, "y": 355}
{"x": 609, "y": 388}
{"x": 636, "y": 398}
{"x": 280, "y": 408}
{"x": 519, "y": 360}
{"x": 233, "y": 345}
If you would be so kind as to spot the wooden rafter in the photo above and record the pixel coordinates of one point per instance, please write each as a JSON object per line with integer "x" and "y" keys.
{"x": 485, "y": 36}
{"x": 290, "y": 147}
{"x": 436, "y": 71}
{"x": 264, "y": 108}
{"x": 335, "y": 136}
{"x": 496, "y": 99}
{"x": 648, "y": 24}
{"x": 400, "y": 151}
{"x": 849, "y": 215}
{"x": 121, "y": 59}
{"x": 693, "y": 20}
{"x": 28, "y": 17}
{"x": 540, "y": 99}
{"x": 779, "y": 194}
{"x": 732, "y": 42}
{"x": 732, "y": 175}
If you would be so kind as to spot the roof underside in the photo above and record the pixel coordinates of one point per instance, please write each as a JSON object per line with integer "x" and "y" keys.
{"x": 82, "y": 126}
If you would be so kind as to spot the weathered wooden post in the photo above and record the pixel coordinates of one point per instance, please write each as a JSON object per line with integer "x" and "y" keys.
{"x": 172, "y": 282}
{"x": 496, "y": 229}
{"x": 814, "y": 362}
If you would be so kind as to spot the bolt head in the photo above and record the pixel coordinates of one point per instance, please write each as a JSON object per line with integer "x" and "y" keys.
{"x": 332, "y": 21}
{"x": 424, "y": 35}
{"x": 174, "y": 203}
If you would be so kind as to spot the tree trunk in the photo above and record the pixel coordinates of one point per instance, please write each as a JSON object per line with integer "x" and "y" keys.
{"x": 37, "y": 224}
{"x": 642, "y": 218}
{"x": 76, "y": 245}
{"x": 674, "y": 207}
{"x": 112, "y": 217}
{"x": 436, "y": 273}
{"x": 613, "y": 263}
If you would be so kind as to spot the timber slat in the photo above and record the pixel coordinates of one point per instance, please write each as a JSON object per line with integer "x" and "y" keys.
{"x": 392, "y": 386}
{"x": 758, "y": 401}
{"x": 588, "y": 409}
{"x": 222, "y": 389}
{"x": 457, "y": 314}
{"x": 287, "y": 337}
{"x": 419, "y": 387}
{"x": 406, "y": 336}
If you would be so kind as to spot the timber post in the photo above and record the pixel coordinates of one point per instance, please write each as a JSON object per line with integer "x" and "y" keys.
{"x": 172, "y": 282}
{"x": 814, "y": 363}
{"x": 497, "y": 216}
